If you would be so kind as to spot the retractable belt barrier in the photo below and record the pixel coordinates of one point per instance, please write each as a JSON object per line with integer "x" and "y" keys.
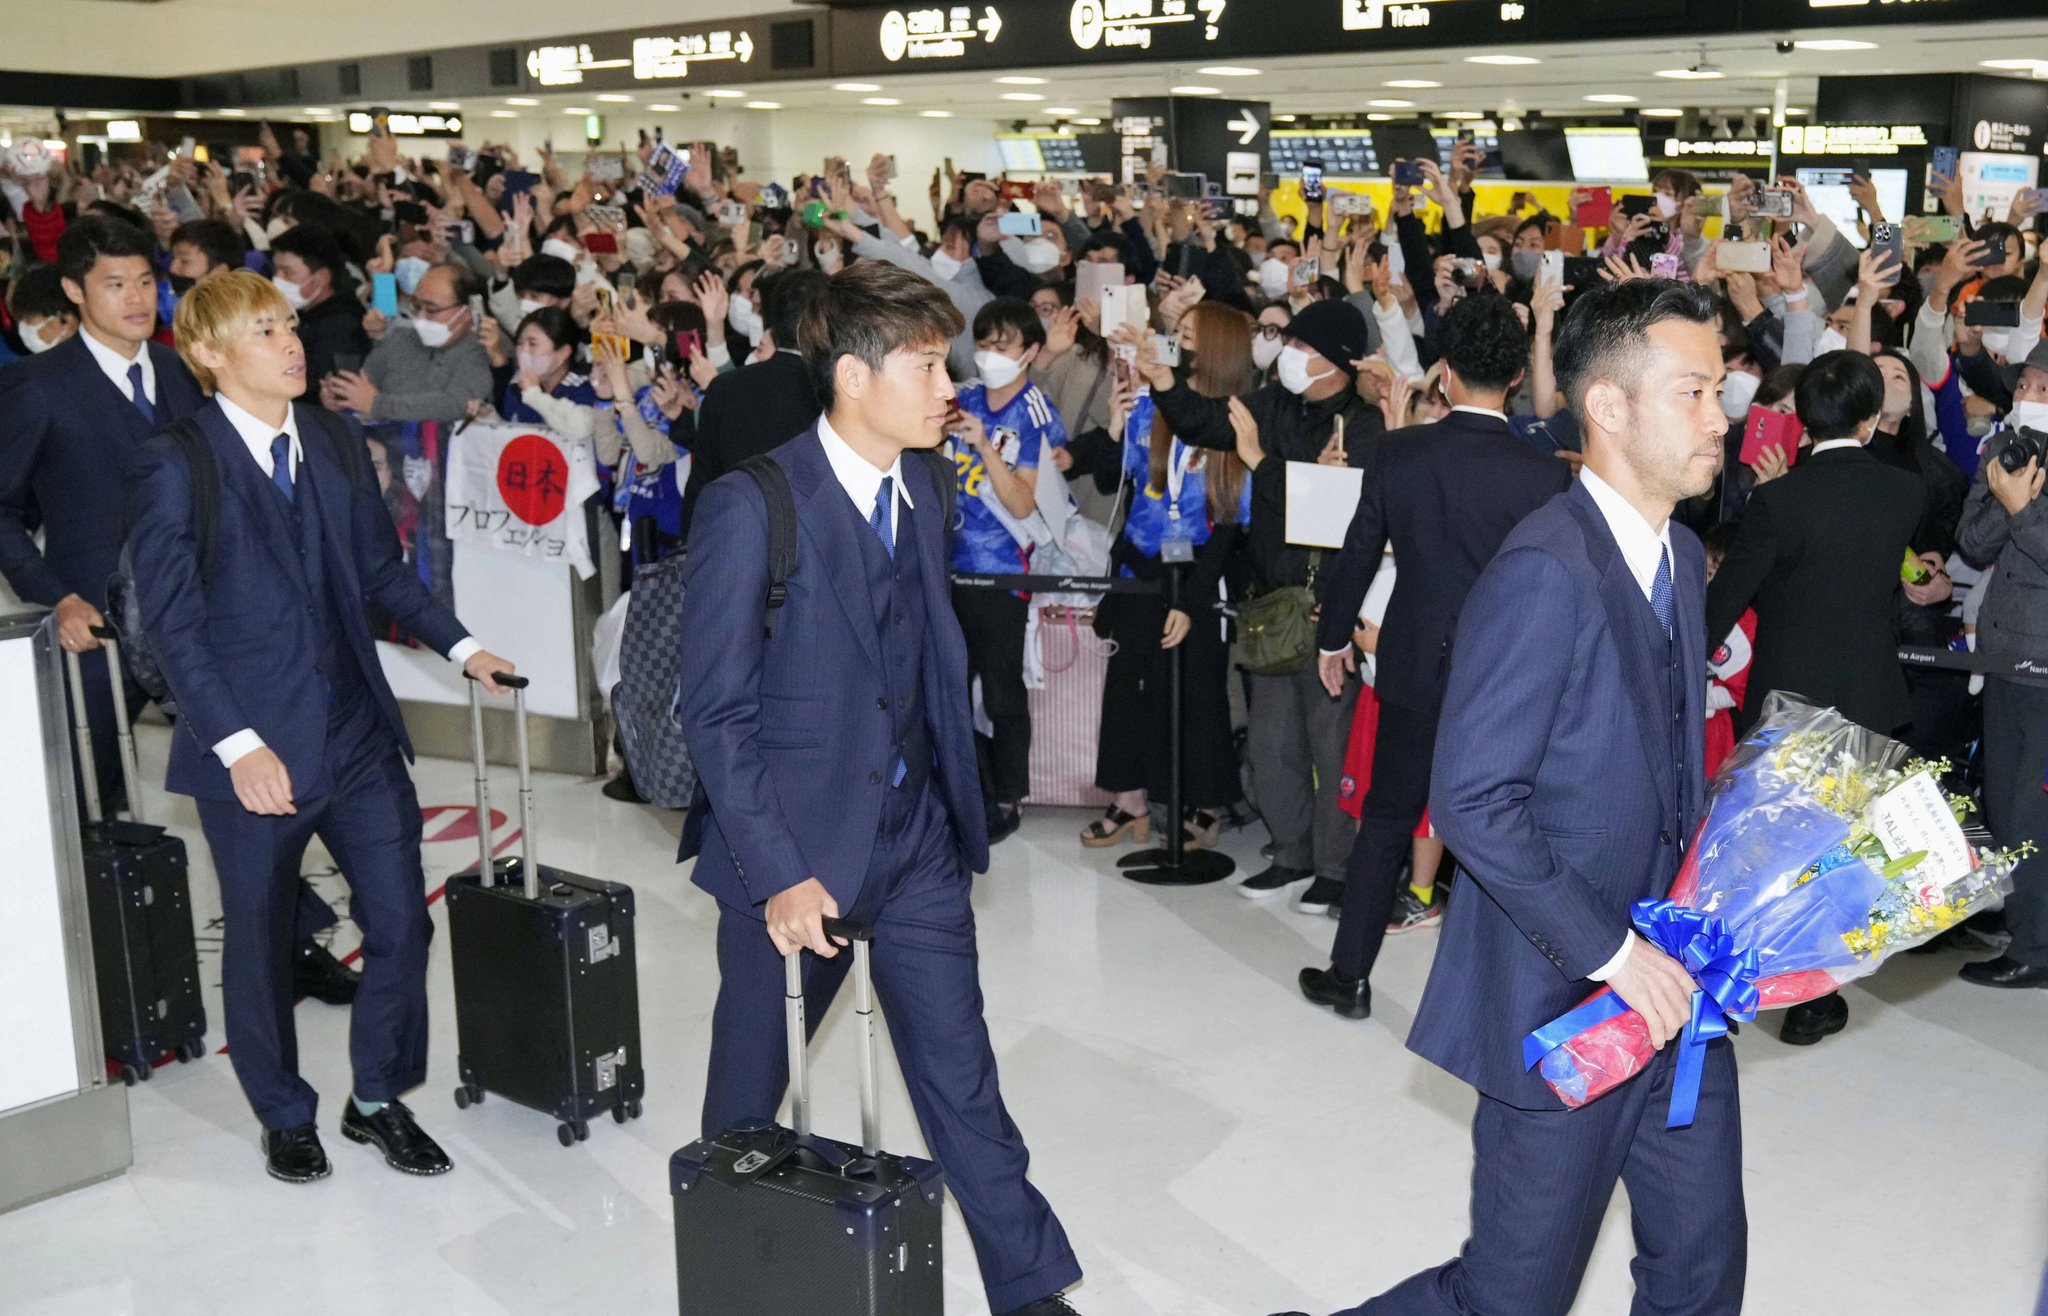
{"x": 1060, "y": 584}
{"x": 1967, "y": 660}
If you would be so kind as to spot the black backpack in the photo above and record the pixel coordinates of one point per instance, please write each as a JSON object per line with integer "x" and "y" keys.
{"x": 647, "y": 703}
{"x": 124, "y": 609}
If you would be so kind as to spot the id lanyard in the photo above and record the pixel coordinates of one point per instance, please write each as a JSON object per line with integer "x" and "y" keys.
{"x": 1177, "y": 545}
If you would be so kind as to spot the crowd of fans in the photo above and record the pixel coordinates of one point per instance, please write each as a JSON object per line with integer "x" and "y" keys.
{"x": 654, "y": 311}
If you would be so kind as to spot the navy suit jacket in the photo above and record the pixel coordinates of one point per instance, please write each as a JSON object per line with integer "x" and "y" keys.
{"x": 1562, "y": 784}
{"x": 66, "y": 437}
{"x": 793, "y": 759}
{"x": 238, "y": 646}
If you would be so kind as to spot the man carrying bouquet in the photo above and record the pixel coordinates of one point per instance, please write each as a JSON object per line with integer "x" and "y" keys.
{"x": 1568, "y": 778}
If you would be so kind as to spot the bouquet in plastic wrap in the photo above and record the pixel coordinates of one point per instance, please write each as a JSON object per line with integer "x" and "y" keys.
{"x": 1823, "y": 852}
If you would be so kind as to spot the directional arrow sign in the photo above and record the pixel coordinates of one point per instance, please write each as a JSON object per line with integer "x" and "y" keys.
{"x": 1248, "y": 126}
{"x": 745, "y": 46}
{"x": 991, "y": 24}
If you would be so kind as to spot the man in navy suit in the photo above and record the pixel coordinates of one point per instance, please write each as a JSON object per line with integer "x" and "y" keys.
{"x": 1568, "y": 777}
{"x": 286, "y": 727}
{"x": 837, "y": 768}
{"x": 70, "y": 420}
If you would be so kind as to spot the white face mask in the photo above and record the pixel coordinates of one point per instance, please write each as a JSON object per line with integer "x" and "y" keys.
{"x": 1491, "y": 259}
{"x": 2000, "y": 341}
{"x": 536, "y": 364}
{"x": 32, "y": 337}
{"x": 829, "y": 260}
{"x": 1667, "y": 204}
{"x": 1294, "y": 370}
{"x": 1273, "y": 274}
{"x": 1897, "y": 405}
{"x": 294, "y": 293}
{"x": 528, "y": 305}
{"x": 1265, "y": 351}
{"x": 566, "y": 250}
{"x": 433, "y": 333}
{"x": 1829, "y": 341}
{"x": 1737, "y": 392}
{"x": 945, "y": 266}
{"x": 1041, "y": 255}
{"x": 998, "y": 370}
{"x": 2028, "y": 415}
{"x": 740, "y": 315}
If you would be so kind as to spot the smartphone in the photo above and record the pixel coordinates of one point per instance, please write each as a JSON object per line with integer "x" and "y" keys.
{"x": 600, "y": 243}
{"x": 1553, "y": 267}
{"x": 1167, "y": 347}
{"x": 606, "y": 217}
{"x": 1094, "y": 279}
{"x": 1189, "y": 187}
{"x": 1766, "y": 429}
{"x": 1407, "y": 173}
{"x": 607, "y": 168}
{"x": 1943, "y": 162}
{"x": 1597, "y": 210}
{"x": 732, "y": 213}
{"x": 1312, "y": 180}
{"x": 461, "y": 157}
{"x": 1994, "y": 251}
{"x": 409, "y": 212}
{"x": 1664, "y": 265}
{"x": 1306, "y": 271}
{"x": 1631, "y": 206}
{"x": 1582, "y": 272}
{"x": 2038, "y": 195}
{"x": 1123, "y": 303}
{"x": 1888, "y": 237}
{"x": 1016, "y": 224}
{"x": 1350, "y": 203}
{"x": 1711, "y": 207}
{"x": 1981, "y": 314}
{"x": 519, "y": 180}
{"x": 347, "y": 362}
{"x": 1744, "y": 257}
{"x": 1568, "y": 238}
{"x": 624, "y": 283}
{"x": 1928, "y": 230}
{"x": 1466, "y": 135}
{"x": 384, "y": 294}
{"x": 686, "y": 345}
{"x": 1775, "y": 203}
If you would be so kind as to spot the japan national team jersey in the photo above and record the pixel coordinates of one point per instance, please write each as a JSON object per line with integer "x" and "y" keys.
{"x": 1153, "y": 512}
{"x": 981, "y": 543}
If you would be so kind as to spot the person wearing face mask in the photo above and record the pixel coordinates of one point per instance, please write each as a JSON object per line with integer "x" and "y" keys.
{"x": 43, "y": 315}
{"x": 432, "y": 372}
{"x": 742, "y": 312}
{"x": 1004, "y": 424}
{"x": 1817, "y": 555}
{"x": 1276, "y": 270}
{"x": 308, "y": 267}
{"x": 544, "y": 388}
{"x": 1269, "y": 337}
{"x": 537, "y": 281}
{"x": 1311, "y": 411}
{"x": 200, "y": 248}
{"x": 1074, "y": 370}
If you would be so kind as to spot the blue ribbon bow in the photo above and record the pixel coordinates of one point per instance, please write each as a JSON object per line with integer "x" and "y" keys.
{"x": 1725, "y": 989}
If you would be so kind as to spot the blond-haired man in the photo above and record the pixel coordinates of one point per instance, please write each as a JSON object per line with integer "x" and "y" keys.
{"x": 287, "y": 728}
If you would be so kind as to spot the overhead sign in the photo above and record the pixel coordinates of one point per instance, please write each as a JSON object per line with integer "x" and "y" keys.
{"x": 731, "y": 51}
{"x": 1850, "y": 139}
{"x": 937, "y": 32}
{"x": 407, "y": 125}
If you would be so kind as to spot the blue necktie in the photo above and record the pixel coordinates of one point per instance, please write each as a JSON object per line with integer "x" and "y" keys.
{"x": 281, "y": 466}
{"x": 879, "y": 518}
{"x": 140, "y": 395}
{"x": 1661, "y": 597}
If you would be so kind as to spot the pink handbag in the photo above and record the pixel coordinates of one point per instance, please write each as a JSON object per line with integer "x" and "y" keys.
{"x": 1066, "y": 716}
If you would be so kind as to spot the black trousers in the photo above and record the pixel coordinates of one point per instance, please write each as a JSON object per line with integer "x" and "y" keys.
{"x": 1402, "y": 758}
{"x": 993, "y": 623}
{"x": 1136, "y": 706}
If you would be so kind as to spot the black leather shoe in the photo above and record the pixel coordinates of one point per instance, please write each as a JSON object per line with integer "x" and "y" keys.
{"x": 1004, "y": 822}
{"x": 295, "y": 1155}
{"x": 316, "y": 973}
{"x": 392, "y": 1131}
{"x": 1349, "y": 997}
{"x": 1810, "y": 1021}
{"x": 1056, "y": 1305}
{"x": 622, "y": 789}
{"x": 2005, "y": 971}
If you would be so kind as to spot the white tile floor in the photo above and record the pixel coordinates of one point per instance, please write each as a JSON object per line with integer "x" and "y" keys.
{"x": 1214, "y": 1146}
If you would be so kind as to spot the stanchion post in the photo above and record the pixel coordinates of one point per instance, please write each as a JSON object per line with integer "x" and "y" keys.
{"x": 1175, "y": 864}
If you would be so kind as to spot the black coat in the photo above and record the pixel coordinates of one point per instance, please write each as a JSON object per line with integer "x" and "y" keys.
{"x": 1818, "y": 555}
{"x": 754, "y": 410}
{"x": 1445, "y": 495}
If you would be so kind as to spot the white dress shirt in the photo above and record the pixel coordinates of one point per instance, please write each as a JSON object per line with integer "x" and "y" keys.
{"x": 860, "y": 478}
{"x": 115, "y": 366}
{"x": 1500, "y": 416}
{"x": 257, "y": 436}
{"x": 1642, "y": 546}
{"x": 1831, "y": 444}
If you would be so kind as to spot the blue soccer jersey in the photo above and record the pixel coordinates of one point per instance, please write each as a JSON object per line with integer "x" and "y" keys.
{"x": 1179, "y": 511}
{"x": 982, "y": 544}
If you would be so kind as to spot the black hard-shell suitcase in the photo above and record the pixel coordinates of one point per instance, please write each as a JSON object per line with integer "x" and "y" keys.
{"x": 774, "y": 1221}
{"x": 547, "y": 999}
{"x": 139, "y": 902}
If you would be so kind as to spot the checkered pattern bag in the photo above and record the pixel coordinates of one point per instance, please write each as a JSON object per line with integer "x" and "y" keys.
{"x": 647, "y": 703}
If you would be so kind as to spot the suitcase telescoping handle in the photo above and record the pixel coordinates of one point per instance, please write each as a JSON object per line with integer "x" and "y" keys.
{"x": 124, "y": 734}
{"x": 864, "y": 1006}
{"x": 530, "y": 868}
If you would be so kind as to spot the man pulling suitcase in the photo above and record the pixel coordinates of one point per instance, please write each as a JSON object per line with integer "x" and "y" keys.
{"x": 836, "y": 763}
{"x": 286, "y": 726}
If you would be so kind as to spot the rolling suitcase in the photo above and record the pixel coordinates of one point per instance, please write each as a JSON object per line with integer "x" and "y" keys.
{"x": 139, "y": 903}
{"x": 547, "y": 1000}
{"x": 775, "y": 1222}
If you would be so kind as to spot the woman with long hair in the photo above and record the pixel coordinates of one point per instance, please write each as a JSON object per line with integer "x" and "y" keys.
{"x": 1179, "y": 495}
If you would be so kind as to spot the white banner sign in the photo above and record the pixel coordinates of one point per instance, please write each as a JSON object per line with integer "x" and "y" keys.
{"x": 521, "y": 489}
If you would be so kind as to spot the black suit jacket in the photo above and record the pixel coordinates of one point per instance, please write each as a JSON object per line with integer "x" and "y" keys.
{"x": 754, "y": 410}
{"x": 1445, "y": 495}
{"x": 1818, "y": 555}
{"x": 67, "y": 436}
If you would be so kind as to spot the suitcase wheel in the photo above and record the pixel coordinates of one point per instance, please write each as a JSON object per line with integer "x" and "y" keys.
{"x": 191, "y": 1049}
{"x": 626, "y": 1110}
{"x": 130, "y": 1075}
{"x": 469, "y": 1094}
{"x": 571, "y": 1133}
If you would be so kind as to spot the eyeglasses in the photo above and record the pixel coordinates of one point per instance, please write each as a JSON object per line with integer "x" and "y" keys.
{"x": 429, "y": 310}
{"x": 1272, "y": 331}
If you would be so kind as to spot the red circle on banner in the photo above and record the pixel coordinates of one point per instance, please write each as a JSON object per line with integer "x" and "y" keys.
{"x": 533, "y": 479}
